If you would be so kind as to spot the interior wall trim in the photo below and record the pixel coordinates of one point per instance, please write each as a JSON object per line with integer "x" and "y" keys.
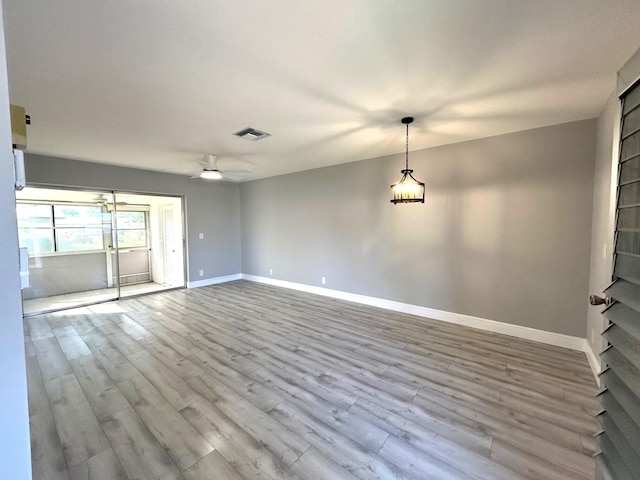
{"x": 527, "y": 333}
{"x": 593, "y": 359}
{"x": 214, "y": 280}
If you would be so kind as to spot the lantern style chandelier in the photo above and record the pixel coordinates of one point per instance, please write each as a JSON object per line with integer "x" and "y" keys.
{"x": 408, "y": 189}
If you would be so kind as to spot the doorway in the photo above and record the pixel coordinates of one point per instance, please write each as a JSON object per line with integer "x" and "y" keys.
{"x": 88, "y": 246}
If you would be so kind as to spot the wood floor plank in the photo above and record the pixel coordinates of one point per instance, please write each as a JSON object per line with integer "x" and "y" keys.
{"x": 182, "y": 366}
{"x": 504, "y": 380}
{"x": 78, "y": 428}
{"x": 420, "y": 464}
{"x": 60, "y": 319}
{"x": 47, "y": 457}
{"x": 170, "y": 337}
{"x": 242, "y": 362}
{"x": 397, "y": 386}
{"x": 473, "y": 464}
{"x": 460, "y": 432}
{"x": 527, "y": 464}
{"x": 285, "y": 445}
{"x": 103, "y": 466}
{"x": 38, "y": 400}
{"x": 124, "y": 343}
{"x": 169, "y": 384}
{"x": 53, "y": 363}
{"x": 538, "y": 451}
{"x": 313, "y": 465}
{"x": 82, "y": 324}
{"x": 246, "y": 454}
{"x": 301, "y": 383}
{"x": 130, "y": 327}
{"x": 341, "y": 420}
{"x": 138, "y": 451}
{"x": 579, "y": 398}
{"x": 255, "y": 392}
{"x": 101, "y": 392}
{"x": 545, "y": 417}
{"x": 29, "y": 351}
{"x": 70, "y": 342}
{"x": 244, "y": 380}
{"x": 177, "y": 436}
{"x": 323, "y": 347}
{"x": 212, "y": 466}
{"x": 285, "y": 352}
{"x": 38, "y": 327}
{"x": 349, "y": 455}
{"x": 110, "y": 358}
{"x": 498, "y": 420}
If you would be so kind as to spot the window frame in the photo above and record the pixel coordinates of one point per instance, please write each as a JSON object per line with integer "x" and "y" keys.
{"x": 145, "y": 228}
{"x": 52, "y": 228}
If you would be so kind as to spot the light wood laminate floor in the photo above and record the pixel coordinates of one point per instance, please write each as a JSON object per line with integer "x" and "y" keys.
{"x": 72, "y": 300}
{"x": 242, "y": 380}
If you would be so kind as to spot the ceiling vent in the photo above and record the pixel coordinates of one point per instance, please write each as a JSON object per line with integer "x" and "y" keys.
{"x": 252, "y": 134}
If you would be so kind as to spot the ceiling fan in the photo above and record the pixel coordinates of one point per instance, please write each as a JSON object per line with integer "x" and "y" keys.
{"x": 102, "y": 200}
{"x": 210, "y": 170}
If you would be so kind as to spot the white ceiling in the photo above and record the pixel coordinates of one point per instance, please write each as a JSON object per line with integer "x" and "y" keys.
{"x": 155, "y": 84}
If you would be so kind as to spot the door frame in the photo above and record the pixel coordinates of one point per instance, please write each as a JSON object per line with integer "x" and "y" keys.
{"x": 112, "y": 193}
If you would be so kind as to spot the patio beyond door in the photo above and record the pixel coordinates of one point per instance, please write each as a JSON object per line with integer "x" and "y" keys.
{"x": 89, "y": 246}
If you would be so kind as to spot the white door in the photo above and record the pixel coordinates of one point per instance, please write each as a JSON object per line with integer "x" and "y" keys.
{"x": 172, "y": 246}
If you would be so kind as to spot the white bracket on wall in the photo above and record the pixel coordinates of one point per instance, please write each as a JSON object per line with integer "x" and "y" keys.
{"x": 18, "y": 169}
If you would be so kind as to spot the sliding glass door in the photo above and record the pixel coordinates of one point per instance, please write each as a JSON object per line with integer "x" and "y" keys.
{"x": 149, "y": 243}
{"x": 67, "y": 234}
{"x": 87, "y": 247}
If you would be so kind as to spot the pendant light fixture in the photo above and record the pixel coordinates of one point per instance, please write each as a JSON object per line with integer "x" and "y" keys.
{"x": 408, "y": 189}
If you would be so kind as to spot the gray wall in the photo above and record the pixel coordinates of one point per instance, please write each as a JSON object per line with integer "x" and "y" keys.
{"x": 212, "y": 208}
{"x": 15, "y": 452}
{"x": 504, "y": 233}
{"x": 602, "y": 229}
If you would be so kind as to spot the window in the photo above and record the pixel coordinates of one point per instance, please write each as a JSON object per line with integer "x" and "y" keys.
{"x": 60, "y": 228}
{"x": 77, "y": 228}
{"x": 35, "y": 227}
{"x": 132, "y": 229}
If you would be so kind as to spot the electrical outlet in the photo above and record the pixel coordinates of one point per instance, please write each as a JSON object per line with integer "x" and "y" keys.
{"x": 271, "y": 271}
{"x": 201, "y": 236}
{"x": 324, "y": 280}
{"x": 201, "y": 273}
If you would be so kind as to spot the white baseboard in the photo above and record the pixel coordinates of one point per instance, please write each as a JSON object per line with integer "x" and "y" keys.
{"x": 593, "y": 359}
{"x": 527, "y": 333}
{"x": 214, "y": 280}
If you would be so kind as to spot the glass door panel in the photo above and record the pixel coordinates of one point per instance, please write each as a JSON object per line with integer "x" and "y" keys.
{"x": 149, "y": 241}
{"x": 86, "y": 246}
{"x": 67, "y": 234}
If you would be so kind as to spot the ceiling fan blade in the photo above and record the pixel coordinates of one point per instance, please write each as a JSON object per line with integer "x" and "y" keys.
{"x": 231, "y": 177}
{"x": 234, "y": 172}
{"x": 196, "y": 176}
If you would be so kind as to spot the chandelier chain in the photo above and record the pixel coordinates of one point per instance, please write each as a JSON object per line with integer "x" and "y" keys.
{"x": 406, "y": 151}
